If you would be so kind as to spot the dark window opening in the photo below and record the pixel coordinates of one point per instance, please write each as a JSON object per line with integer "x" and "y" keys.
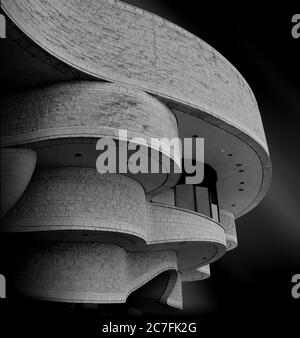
{"x": 202, "y": 197}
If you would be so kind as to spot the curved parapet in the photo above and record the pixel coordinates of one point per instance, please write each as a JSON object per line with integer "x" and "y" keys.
{"x": 155, "y": 56}
{"x": 227, "y": 220}
{"x": 173, "y": 224}
{"x": 60, "y": 199}
{"x": 67, "y": 203}
{"x": 205, "y": 271}
{"x": 199, "y": 82}
{"x": 17, "y": 166}
{"x": 199, "y": 240}
{"x": 151, "y": 54}
{"x": 63, "y": 122}
{"x": 164, "y": 83}
{"x": 85, "y": 272}
{"x": 84, "y": 109}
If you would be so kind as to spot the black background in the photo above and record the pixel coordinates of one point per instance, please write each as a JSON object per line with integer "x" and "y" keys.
{"x": 250, "y": 285}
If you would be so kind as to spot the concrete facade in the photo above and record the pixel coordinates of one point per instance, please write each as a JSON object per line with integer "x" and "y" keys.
{"x": 86, "y": 109}
{"x": 102, "y": 66}
{"x": 17, "y": 166}
{"x": 87, "y": 272}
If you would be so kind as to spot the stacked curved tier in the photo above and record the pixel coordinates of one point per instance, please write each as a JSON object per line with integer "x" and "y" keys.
{"x": 99, "y": 237}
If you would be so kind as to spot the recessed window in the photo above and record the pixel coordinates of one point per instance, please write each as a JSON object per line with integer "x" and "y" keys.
{"x": 202, "y": 201}
{"x": 184, "y": 196}
{"x": 215, "y": 212}
{"x": 241, "y": 170}
{"x": 166, "y": 197}
{"x": 202, "y": 197}
{"x": 78, "y": 155}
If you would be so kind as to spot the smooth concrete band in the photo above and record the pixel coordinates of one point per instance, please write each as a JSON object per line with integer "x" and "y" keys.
{"x": 17, "y": 166}
{"x": 88, "y": 272}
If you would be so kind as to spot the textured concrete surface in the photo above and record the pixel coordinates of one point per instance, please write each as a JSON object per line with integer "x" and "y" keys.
{"x": 121, "y": 43}
{"x": 88, "y": 110}
{"x": 80, "y": 199}
{"x": 172, "y": 224}
{"x": 141, "y": 54}
{"x": 144, "y": 51}
{"x": 17, "y": 166}
{"x": 87, "y": 272}
{"x": 84, "y": 109}
{"x": 112, "y": 205}
{"x": 173, "y": 293}
{"x": 205, "y": 271}
{"x": 227, "y": 220}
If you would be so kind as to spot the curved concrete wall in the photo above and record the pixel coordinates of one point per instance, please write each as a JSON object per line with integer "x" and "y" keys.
{"x": 198, "y": 240}
{"x": 74, "y": 198}
{"x": 172, "y": 224}
{"x": 200, "y": 273}
{"x": 111, "y": 206}
{"x": 120, "y": 43}
{"x": 227, "y": 220}
{"x": 84, "y": 109}
{"x": 17, "y": 166}
{"x": 204, "y": 271}
{"x": 80, "y": 199}
{"x": 85, "y": 272}
{"x": 142, "y": 54}
{"x": 117, "y": 42}
{"x": 172, "y": 295}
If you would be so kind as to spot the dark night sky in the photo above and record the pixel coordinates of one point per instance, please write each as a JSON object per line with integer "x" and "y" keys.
{"x": 257, "y": 275}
